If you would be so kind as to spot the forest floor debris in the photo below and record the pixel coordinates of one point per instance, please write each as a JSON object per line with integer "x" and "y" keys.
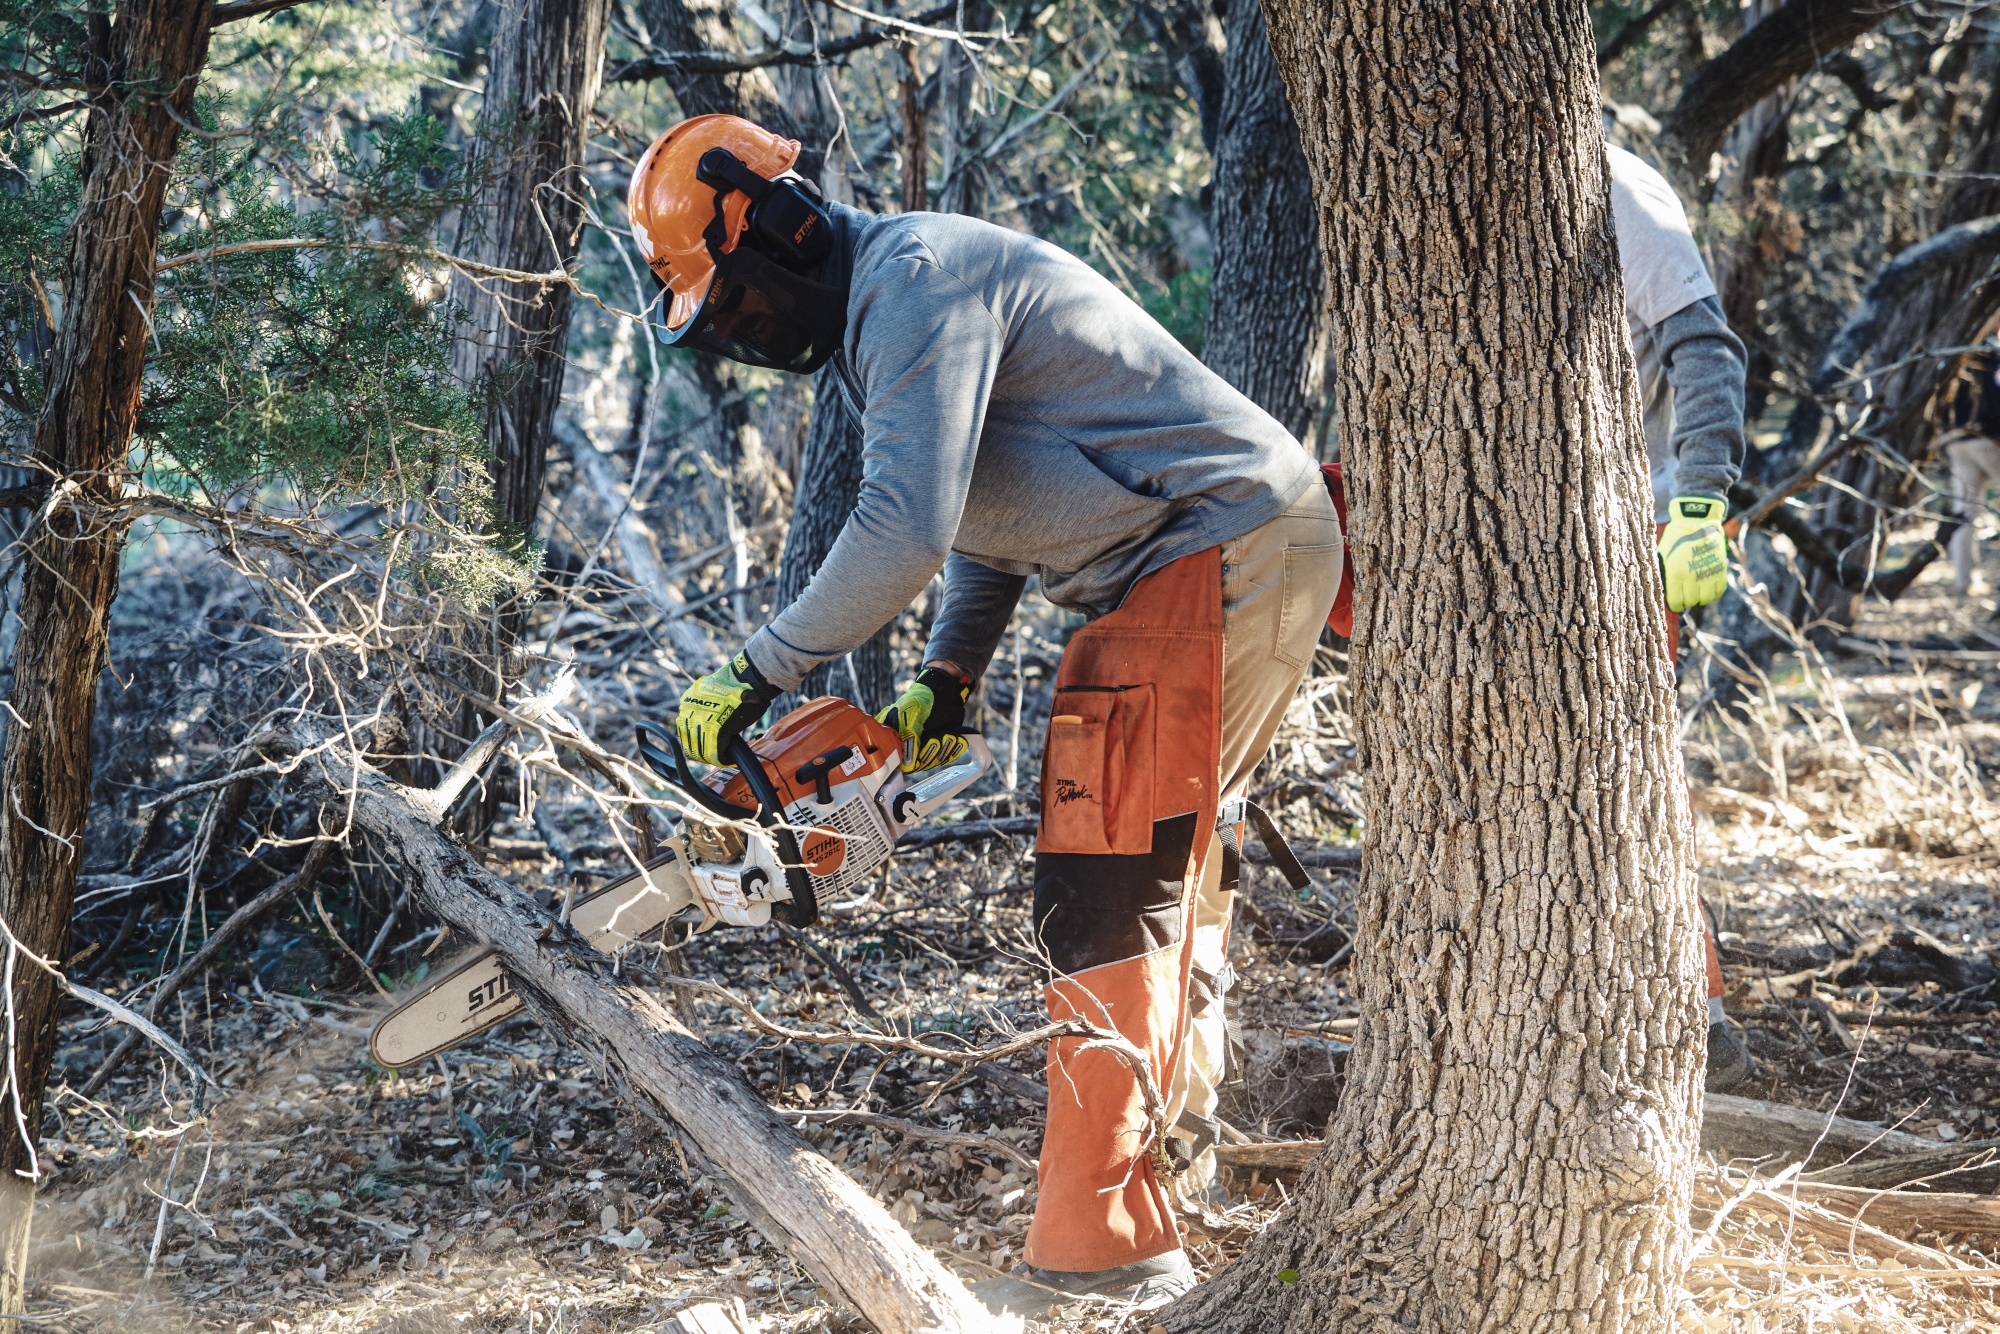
{"x": 1848, "y": 843}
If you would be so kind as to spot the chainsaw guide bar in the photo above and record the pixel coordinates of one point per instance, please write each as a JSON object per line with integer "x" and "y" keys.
{"x": 472, "y": 992}
{"x": 814, "y": 806}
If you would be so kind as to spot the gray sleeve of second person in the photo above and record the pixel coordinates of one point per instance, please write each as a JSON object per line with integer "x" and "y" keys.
{"x": 978, "y": 603}
{"x": 927, "y": 352}
{"x": 1703, "y": 361}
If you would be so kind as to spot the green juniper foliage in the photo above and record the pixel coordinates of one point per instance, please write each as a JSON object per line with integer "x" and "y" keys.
{"x": 301, "y": 340}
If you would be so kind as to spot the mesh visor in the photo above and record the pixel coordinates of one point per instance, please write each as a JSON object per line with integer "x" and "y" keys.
{"x": 761, "y": 315}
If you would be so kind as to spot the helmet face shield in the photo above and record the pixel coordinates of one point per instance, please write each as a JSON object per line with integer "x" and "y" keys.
{"x": 762, "y": 315}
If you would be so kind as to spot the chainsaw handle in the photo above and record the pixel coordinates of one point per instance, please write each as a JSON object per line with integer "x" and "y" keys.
{"x": 804, "y": 906}
{"x": 674, "y": 768}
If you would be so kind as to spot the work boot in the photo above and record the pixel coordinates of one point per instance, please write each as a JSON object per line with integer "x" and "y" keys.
{"x": 1146, "y": 1283}
{"x": 1729, "y": 1063}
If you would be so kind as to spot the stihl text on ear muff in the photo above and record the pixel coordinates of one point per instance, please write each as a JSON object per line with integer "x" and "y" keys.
{"x": 787, "y": 221}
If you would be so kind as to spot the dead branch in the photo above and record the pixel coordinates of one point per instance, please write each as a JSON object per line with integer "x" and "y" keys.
{"x": 913, "y": 1130}
{"x": 825, "y": 1221}
{"x": 1750, "y": 1127}
{"x": 301, "y": 880}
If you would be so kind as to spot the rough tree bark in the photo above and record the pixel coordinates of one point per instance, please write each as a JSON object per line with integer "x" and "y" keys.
{"x": 147, "y": 58}
{"x": 542, "y": 74}
{"x": 1267, "y": 307}
{"x": 1513, "y": 1147}
{"x": 541, "y": 82}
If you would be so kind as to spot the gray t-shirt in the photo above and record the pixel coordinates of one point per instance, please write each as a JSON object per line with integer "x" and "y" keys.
{"x": 1665, "y": 278}
{"x": 1021, "y": 411}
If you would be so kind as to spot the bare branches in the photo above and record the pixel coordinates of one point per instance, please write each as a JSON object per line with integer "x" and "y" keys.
{"x": 662, "y": 64}
{"x": 1781, "y": 47}
{"x": 192, "y": 967}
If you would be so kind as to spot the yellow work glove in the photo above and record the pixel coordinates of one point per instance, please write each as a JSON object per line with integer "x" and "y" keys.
{"x": 716, "y": 709}
{"x": 929, "y": 717}
{"x": 1694, "y": 555}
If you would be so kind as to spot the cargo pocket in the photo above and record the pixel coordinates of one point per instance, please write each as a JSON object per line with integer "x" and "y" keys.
{"x": 1097, "y": 774}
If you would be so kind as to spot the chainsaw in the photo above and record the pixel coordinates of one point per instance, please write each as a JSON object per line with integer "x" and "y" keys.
{"x": 810, "y": 810}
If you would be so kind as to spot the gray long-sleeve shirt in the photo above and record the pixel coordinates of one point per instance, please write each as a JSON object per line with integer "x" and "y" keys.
{"x": 1690, "y": 364}
{"x": 1021, "y": 414}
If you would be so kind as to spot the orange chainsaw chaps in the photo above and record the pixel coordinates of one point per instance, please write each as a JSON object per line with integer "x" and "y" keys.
{"x": 1101, "y": 1204}
{"x": 1129, "y": 792}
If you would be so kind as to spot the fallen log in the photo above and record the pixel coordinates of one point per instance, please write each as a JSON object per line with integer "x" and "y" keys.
{"x": 822, "y": 1219}
{"x": 1905, "y": 1211}
{"x": 1972, "y": 1166}
{"x": 1753, "y": 1128}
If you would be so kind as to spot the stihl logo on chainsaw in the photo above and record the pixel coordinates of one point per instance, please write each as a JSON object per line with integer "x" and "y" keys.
{"x": 823, "y": 851}
{"x": 484, "y": 995}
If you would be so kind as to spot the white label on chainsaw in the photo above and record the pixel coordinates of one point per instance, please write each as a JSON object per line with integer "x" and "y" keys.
{"x": 853, "y": 762}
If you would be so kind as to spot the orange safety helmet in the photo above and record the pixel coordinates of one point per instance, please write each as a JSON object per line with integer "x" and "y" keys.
{"x": 744, "y": 277}
{"x": 670, "y": 206}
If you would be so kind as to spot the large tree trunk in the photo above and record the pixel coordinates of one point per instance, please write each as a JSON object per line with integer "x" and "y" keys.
{"x": 148, "y": 59}
{"x": 1513, "y": 1147}
{"x": 542, "y": 74}
{"x": 1267, "y": 308}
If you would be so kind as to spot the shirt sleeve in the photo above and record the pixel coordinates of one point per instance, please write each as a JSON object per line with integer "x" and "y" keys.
{"x": 1664, "y": 272}
{"x": 972, "y": 617}
{"x": 924, "y": 351}
{"x": 1703, "y": 360}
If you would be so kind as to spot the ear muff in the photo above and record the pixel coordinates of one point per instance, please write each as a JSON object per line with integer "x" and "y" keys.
{"x": 787, "y": 221}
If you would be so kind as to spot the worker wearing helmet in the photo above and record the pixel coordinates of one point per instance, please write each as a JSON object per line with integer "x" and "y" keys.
{"x": 1023, "y": 418}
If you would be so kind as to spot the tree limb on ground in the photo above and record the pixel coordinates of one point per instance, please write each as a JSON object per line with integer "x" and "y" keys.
{"x": 823, "y": 1219}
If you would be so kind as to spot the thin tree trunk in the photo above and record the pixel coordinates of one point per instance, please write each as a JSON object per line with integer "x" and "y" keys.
{"x": 1512, "y": 1149}
{"x": 542, "y": 74}
{"x": 1753, "y": 163}
{"x": 830, "y": 464}
{"x": 148, "y": 57}
{"x": 1267, "y": 307}
{"x": 829, "y": 483}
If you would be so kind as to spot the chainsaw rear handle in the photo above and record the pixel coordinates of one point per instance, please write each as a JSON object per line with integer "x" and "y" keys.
{"x": 803, "y": 910}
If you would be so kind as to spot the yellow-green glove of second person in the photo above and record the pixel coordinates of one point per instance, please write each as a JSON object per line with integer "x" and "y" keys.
{"x": 1694, "y": 555}
{"x": 929, "y": 717}
{"x": 716, "y": 709}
